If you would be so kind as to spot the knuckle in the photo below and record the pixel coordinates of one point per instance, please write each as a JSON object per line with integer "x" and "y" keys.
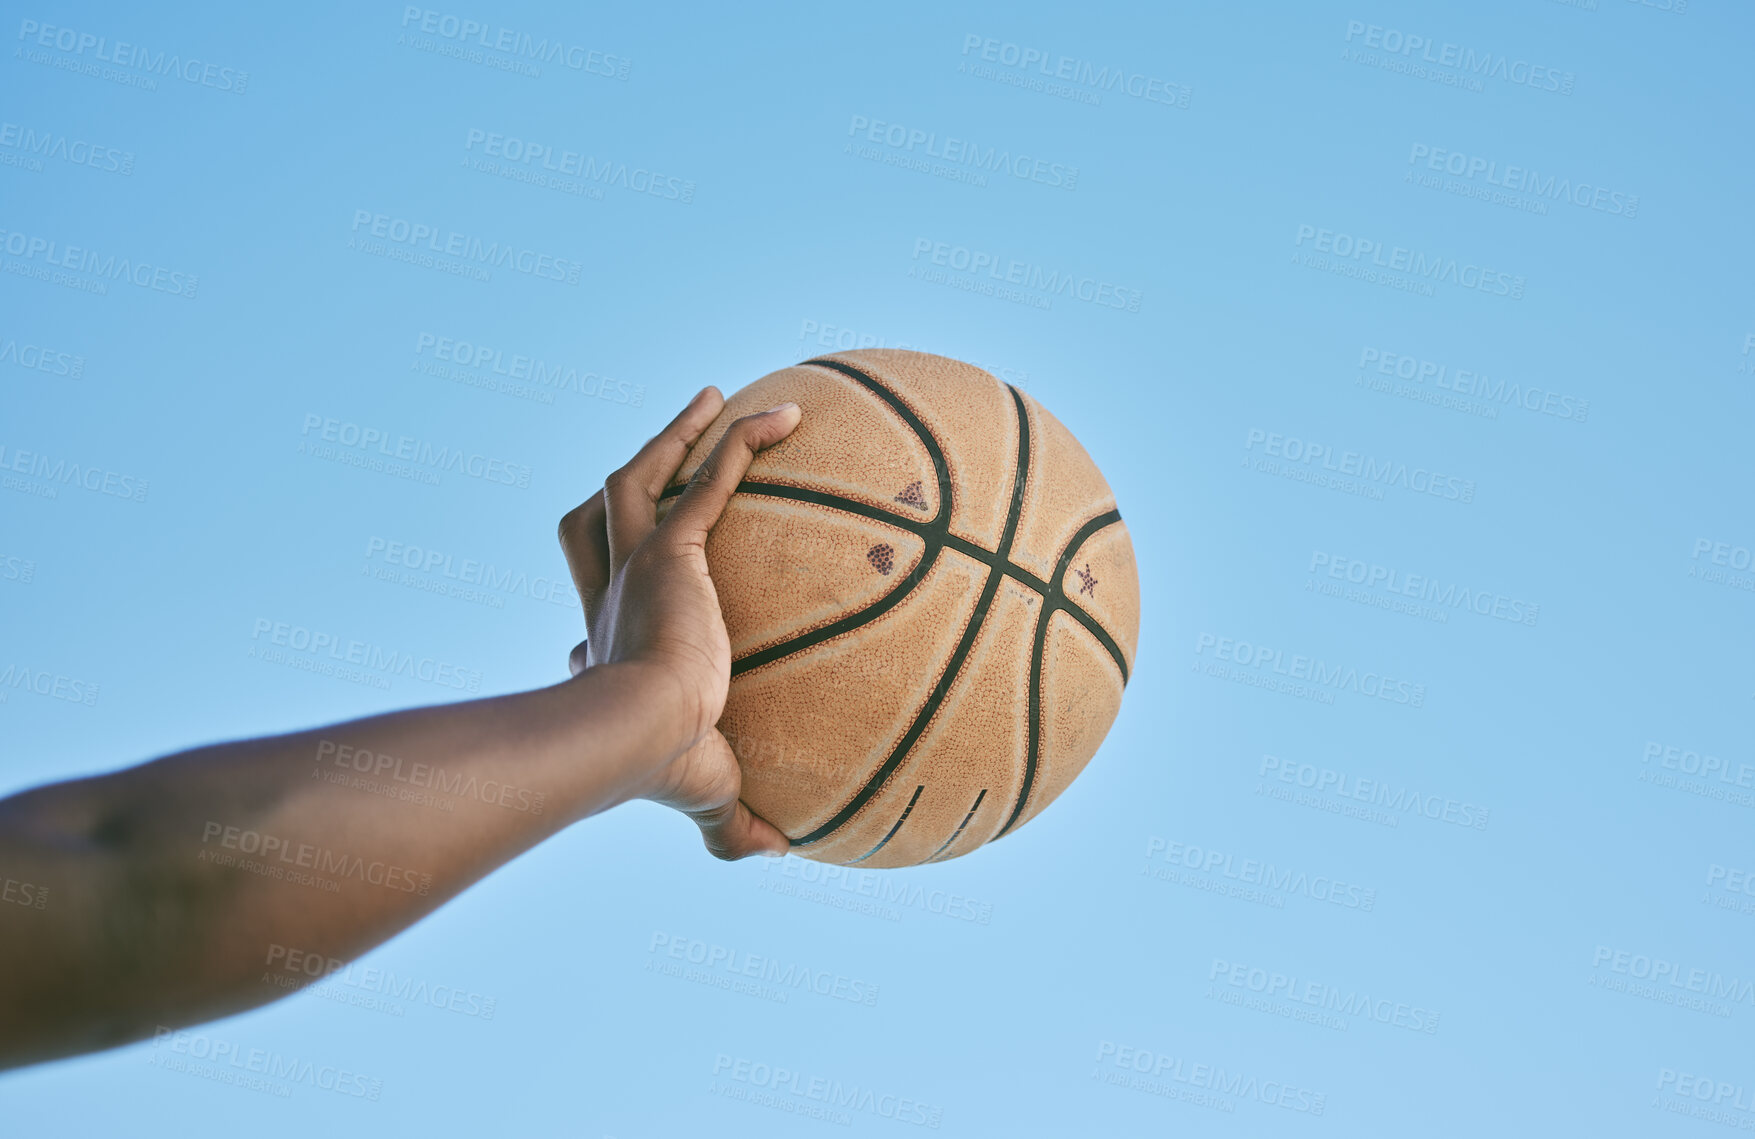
{"x": 571, "y": 528}
{"x": 706, "y": 473}
{"x": 640, "y": 561}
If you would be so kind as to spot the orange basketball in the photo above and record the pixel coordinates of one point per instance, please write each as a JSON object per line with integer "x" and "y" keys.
{"x": 932, "y": 605}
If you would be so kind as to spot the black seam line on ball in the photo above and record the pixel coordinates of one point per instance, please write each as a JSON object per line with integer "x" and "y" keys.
{"x": 932, "y": 531}
{"x": 799, "y": 643}
{"x": 954, "y": 667}
{"x": 1056, "y": 600}
{"x": 847, "y": 624}
{"x": 881, "y": 842}
{"x": 941, "y": 521}
{"x": 935, "y": 533}
{"x": 846, "y": 505}
{"x": 958, "y": 833}
{"x": 920, "y": 529}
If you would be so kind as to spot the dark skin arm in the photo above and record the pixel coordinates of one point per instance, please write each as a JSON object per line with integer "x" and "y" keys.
{"x": 157, "y": 894}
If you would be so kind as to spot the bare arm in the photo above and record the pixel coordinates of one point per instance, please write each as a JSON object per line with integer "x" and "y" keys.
{"x": 158, "y": 895}
{"x": 168, "y": 885}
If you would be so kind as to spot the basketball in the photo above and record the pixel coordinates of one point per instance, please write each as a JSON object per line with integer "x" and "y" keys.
{"x": 932, "y": 605}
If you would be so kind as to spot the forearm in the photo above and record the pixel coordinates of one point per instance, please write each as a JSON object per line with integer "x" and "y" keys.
{"x": 172, "y": 885}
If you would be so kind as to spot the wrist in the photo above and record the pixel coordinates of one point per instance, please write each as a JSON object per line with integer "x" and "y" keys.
{"x": 667, "y": 704}
{"x": 646, "y": 715}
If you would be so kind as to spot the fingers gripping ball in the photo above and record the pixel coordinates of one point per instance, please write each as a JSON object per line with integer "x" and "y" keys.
{"x": 932, "y": 604}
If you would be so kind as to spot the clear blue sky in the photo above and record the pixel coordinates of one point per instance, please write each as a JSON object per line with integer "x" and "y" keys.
{"x": 1429, "y": 425}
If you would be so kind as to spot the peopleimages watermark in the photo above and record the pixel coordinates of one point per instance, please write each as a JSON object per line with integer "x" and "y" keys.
{"x": 868, "y": 891}
{"x": 818, "y": 336}
{"x": 39, "y": 358}
{"x": 343, "y": 763}
{"x": 426, "y": 245}
{"x": 1702, "y": 775}
{"x": 1447, "y": 596}
{"x": 1521, "y": 187}
{"x": 15, "y": 568}
{"x": 87, "y": 270}
{"x": 466, "y": 579}
{"x": 85, "y": 53}
{"x": 1689, "y": 762}
{"x": 1276, "y": 881}
{"x": 1732, "y": 881}
{"x": 1728, "y": 564}
{"x": 1350, "y": 790}
{"x": 1064, "y": 76}
{"x": 1204, "y": 1085}
{"x": 320, "y": 651}
{"x": 27, "y": 147}
{"x": 1397, "y": 266}
{"x": 290, "y": 860}
{"x": 27, "y": 894}
{"x": 799, "y": 1093}
{"x": 569, "y": 171}
{"x": 1704, "y": 1098}
{"x": 958, "y": 159}
{"x": 47, "y": 683}
{"x": 515, "y": 373}
{"x": 737, "y": 970}
{"x": 511, "y": 49}
{"x": 368, "y": 987}
{"x": 1352, "y": 472}
{"x": 42, "y": 476}
{"x": 1473, "y": 391}
{"x": 224, "y": 1061}
{"x": 1315, "y": 997}
{"x": 1301, "y": 673}
{"x": 1666, "y": 982}
{"x": 1453, "y": 64}
{"x": 985, "y": 268}
{"x": 352, "y": 444}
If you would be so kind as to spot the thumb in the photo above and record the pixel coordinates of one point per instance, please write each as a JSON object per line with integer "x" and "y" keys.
{"x": 716, "y": 479}
{"x": 734, "y": 831}
{"x": 706, "y": 783}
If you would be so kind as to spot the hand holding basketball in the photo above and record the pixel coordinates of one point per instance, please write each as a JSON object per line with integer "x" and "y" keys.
{"x": 649, "y": 601}
{"x": 915, "y": 620}
{"x": 930, "y": 603}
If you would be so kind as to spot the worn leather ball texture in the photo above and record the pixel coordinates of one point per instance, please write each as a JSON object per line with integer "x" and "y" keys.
{"x": 932, "y": 604}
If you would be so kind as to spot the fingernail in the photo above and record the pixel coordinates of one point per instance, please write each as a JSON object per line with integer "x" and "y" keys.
{"x": 773, "y": 854}
{"x": 780, "y": 408}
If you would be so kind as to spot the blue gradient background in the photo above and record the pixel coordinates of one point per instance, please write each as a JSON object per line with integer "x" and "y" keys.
{"x": 1000, "y": 1026}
